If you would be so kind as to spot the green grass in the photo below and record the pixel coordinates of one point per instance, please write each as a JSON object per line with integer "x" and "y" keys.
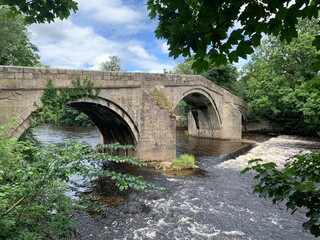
{"x": 184, "y": 161}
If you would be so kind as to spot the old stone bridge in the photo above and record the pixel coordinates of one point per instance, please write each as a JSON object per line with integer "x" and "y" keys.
{"x": 127, "y": 110}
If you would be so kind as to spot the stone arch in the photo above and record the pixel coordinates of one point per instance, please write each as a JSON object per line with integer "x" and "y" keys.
{"x": 202, "y": 99}
{"x": 90, "y": 106}
{"x": 243, "y": 112}
{"x": 114, "y": 123}
{"x": 20, "y": 127}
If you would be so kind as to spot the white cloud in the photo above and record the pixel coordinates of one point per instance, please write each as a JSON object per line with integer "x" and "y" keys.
{"x": 165, "y": 48}
{"x": 101, "y": 29}
{"x": 140, "y": 52}
{"x": 75, "y": 47}
{"x": 110, "y": 11}
{"x": 97, "y": 61}
{"x": 119, "y": 16}
{"x": 62, "y": 44}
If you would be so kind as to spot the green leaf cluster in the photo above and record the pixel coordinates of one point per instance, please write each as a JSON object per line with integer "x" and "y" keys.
{"x": 280, "y": 83}
{"x": 113, "y": 64}
{"x": 41, "y": 11}
{"x": 298, "y": 184}
{"x": 15, "y": 46}
{"x": 226, "y": 30}
{"x": 35, "y": 184}
{"x": 225, "y": 76}
{"x": 31, "y": 196}
{"x": 55, "y": 109}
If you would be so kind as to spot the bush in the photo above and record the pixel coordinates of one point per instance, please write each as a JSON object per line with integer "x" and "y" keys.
{"x": 184, "y": 161}
{"x": 34, "y": 181}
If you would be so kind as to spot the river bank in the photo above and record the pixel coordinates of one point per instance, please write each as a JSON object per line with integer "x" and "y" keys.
{"x": 216, "y": 204}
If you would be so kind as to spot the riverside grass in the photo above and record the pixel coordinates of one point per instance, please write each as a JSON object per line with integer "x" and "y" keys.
{"x": 184, "y": 161}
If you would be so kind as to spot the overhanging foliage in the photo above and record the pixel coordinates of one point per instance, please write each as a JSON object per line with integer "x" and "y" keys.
{"x": 224, "y": 31}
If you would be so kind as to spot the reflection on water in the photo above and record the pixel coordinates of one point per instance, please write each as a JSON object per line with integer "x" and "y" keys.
{"x": 206, "y": 146}
{"x": 50, "y": 134}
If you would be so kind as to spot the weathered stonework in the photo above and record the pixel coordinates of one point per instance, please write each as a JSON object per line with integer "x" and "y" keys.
{"x": 125, "y": 110}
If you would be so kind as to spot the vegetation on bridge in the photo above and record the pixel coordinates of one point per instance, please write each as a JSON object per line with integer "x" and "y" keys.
{"x": 55, "y": 109}
{"x": 161, "y": 100}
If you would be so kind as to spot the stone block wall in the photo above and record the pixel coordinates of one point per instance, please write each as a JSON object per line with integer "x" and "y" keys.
{"x": 157, "y": 142}
{"x": 21, "y": 89}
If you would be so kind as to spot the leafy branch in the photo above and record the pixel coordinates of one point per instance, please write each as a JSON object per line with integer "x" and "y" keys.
{"x": 298, "y": 184}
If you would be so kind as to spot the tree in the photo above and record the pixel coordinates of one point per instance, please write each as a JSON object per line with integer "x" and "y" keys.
{"x": 282, "y": 86}
{"x": 35, "y": 11}
{"x": 225, "y": 76}
{"x": 278, "y": 81}
{"x": 185, "y": 67}
{"x": 114, "y": 64}
{"x": 227, "y": 30}
{"x": 15, "y": 46}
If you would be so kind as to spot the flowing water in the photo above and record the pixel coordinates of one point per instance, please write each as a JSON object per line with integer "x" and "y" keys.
{"x": 215, "y": 202}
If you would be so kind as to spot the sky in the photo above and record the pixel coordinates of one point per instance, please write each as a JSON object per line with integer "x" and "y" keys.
{"x": 100, "y": 29}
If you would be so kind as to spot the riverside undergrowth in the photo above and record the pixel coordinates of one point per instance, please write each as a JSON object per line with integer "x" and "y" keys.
{"x": 35, "y": 180}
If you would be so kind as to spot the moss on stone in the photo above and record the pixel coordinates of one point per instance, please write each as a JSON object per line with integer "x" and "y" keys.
{"x": 161, "y": 100}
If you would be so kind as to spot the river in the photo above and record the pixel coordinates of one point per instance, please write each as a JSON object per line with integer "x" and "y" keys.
{"x": 215, "y": 202}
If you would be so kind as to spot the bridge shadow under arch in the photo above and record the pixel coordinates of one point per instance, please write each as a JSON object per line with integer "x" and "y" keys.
{"x": 201, "y": 113}
{"x": 114, "y": 123}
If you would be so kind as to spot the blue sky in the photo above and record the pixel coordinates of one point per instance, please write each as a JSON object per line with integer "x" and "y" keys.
{"x": 100, "y": 29}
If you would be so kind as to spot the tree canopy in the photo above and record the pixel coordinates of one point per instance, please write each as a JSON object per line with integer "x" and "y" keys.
{"x": 39, "y": 11}
{"x": 278, "y": 82}
{"x": 113, "y": 64}
{"x": 15, "y": 46}
{"x": 227, "y": 30}
{"x": 225, "y": 76}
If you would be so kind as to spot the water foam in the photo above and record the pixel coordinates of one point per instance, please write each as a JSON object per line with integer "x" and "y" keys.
{"x": 276, "y": 150}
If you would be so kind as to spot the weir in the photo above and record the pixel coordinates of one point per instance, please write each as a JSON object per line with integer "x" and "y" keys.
{"x": 127, "y": 110}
